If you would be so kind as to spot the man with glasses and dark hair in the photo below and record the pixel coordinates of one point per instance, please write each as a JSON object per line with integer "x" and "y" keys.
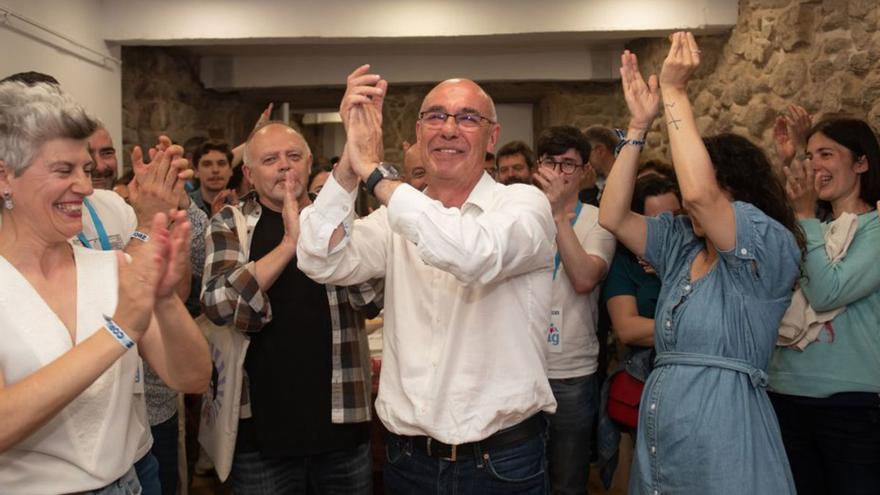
{"x": 514, "y": 163}
{"x": 584, "y": 253}
{"x": 463, "y": 385}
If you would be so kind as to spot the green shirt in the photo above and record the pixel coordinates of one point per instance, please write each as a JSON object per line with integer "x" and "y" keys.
{"x": 846, "y": 356}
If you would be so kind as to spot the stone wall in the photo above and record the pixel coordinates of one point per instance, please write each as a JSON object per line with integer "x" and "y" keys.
{"x": 822, "y": 54}
{"x": 162, "y": 94}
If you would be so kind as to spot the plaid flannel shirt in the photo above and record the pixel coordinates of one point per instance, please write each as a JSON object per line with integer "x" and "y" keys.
{"x": 230, "y": 293}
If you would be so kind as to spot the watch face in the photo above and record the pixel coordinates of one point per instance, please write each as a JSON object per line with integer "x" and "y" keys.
{"x": 388, "y": 170}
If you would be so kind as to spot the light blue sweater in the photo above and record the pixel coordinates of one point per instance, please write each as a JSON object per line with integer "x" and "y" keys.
{"x": 846, "y": 358}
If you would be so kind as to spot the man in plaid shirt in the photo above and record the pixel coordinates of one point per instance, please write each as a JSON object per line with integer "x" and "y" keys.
{"x": 307, "y": 367}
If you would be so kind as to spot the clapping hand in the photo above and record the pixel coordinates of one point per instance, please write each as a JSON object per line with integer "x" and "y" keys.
{"x": 139, "y": 280}
{"x": 681, "y": 62}
{"x": 361, "y": 112}
{"x": 290, "y": 209}
{"x": 223, "y": 198}
{"x": 159, "y": 185}
{"x": 559, "y": 190}
{"x": 801, "y": 188}
{"x": 364, "y": 146}
{"x": 790, "y": 132}
{"x": 642, "y": 99}
{"x": 178, "y": 242}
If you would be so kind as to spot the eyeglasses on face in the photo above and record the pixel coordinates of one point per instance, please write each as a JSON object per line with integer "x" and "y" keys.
{"x": 567, "y": 166}
{"x": 464, "y": 120}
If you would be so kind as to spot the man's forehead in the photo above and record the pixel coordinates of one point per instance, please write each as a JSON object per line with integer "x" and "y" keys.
{"x": 456, "y": 95}
{"x": 514, "y": 158}
{"x": 273, "y": 137}
{"x": 100, "y": 138}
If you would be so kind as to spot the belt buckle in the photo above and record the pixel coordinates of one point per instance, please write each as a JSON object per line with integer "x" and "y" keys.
{"x": 453, "y": 455}
{"x": 452, "y": 458}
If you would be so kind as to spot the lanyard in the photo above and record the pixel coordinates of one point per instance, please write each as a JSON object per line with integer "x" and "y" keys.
{"x": 99, "y": 228}
{"x": 558, "y": 261}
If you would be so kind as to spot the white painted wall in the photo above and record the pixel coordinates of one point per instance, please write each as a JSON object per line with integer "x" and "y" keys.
{"x": 24, "y": 48}
{"x": 516, "y": 123}
{"x": 568, "y": 63}
{"x": 132, "y": 21}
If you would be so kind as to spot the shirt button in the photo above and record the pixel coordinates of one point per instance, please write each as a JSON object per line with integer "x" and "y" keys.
{"x": 653, "y": 449}
{"x": 656, "y": 492}
{"x": 668, "y": 323}
{"x": 743, "y": 251}
{"x": 687, "y": 287}
{"x": 653, "y": 406}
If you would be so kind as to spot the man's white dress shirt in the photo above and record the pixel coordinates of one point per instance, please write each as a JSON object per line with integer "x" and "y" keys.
{"x": 467, "y": 301}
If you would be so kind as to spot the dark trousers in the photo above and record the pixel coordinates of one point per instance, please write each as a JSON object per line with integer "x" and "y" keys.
{"x": 832, "y": 450}
{"x": 571, "y": 431}
{"x": 515, "y": 469}
{"x": 147, "y": 470}
{"x": 339, "y": 472}
{"x": 165, "y": 450}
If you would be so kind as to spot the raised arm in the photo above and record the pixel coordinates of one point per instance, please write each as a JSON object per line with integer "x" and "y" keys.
{"x": 584, "y": 270}
{"x": 643, "y": 101}
{"x": 703, "y": 199}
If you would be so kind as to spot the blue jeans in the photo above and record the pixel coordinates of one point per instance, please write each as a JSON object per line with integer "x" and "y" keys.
{"x": 165, "y": 450}
{"x": 343, "y": 472}
{"x": 515, "y": 469}
{"x": 147, "y": 469}
{"x": 126, "y": 485}
{"x": 568, "y": 450}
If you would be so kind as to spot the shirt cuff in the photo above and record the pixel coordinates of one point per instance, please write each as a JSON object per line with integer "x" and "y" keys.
{"x": 334, "y": 204}
{"x": 404, "y": 209}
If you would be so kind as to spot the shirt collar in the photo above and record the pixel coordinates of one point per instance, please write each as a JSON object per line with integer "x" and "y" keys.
{"x": 482, "y": 193}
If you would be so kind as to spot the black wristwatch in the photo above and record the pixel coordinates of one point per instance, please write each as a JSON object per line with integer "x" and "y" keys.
{"x": 384, "y": 171}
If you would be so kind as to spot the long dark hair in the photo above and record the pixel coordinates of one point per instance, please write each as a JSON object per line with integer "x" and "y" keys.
{"x": 858, "y": 137}
{"x": 744, "y": 170}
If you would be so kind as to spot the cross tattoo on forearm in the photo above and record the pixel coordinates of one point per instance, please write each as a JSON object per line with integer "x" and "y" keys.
{"x": 672, "y": 121}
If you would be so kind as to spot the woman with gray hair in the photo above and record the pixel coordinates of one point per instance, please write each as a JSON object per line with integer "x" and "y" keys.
{"x": 74, "y": 322}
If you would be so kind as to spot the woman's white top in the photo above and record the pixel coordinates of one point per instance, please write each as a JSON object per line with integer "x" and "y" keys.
{"x": 95, "y": 439}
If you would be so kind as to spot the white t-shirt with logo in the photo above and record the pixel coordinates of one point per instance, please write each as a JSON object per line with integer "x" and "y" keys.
{"x": 572, "y": 346}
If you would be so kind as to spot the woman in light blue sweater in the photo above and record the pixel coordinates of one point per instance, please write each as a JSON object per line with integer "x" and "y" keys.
{"x": 827, "y": 397}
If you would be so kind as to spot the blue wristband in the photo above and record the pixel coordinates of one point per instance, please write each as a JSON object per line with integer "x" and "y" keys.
{"x": 141, "y": 236}
{"x": 118, "y": 333}
{"x": 623, "y": 141}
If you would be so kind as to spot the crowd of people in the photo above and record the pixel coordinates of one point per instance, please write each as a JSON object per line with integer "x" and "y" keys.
{"x": 743, "y": 300}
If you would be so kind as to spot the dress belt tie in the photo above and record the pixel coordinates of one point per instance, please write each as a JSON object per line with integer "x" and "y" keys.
{"x": 757, "y": 376}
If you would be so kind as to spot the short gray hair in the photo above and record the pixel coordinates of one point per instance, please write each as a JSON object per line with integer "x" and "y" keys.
{"x": 246, "y": 159}
{"x": 32, "y": 115}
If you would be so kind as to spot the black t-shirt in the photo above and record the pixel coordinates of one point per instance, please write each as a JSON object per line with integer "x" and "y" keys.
{"x": 288, "y": 364}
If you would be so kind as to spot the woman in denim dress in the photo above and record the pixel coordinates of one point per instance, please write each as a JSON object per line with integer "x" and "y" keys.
{"x": 706, "y": 425}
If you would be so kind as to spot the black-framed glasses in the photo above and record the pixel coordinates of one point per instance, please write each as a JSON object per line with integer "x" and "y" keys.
{"x": 464, "y": 120}
{"x": 567, "y": 166}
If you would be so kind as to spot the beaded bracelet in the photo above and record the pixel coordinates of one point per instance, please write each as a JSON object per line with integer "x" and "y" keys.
{"x": 623, "y": 141}
{"x": 118, "y": 333}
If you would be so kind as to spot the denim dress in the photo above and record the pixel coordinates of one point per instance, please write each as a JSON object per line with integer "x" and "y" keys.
{"x": 706, "y": 425}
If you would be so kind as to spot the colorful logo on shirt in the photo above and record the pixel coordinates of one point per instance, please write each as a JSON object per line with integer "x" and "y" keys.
{"x": 553, "y": 335}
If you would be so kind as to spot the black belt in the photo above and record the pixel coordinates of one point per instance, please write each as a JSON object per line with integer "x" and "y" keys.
{"x": 508, "y": 436}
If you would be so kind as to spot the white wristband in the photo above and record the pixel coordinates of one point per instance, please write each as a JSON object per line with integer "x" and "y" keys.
{"x": 118, "y": 333}
{"x": 141, "y": 236}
